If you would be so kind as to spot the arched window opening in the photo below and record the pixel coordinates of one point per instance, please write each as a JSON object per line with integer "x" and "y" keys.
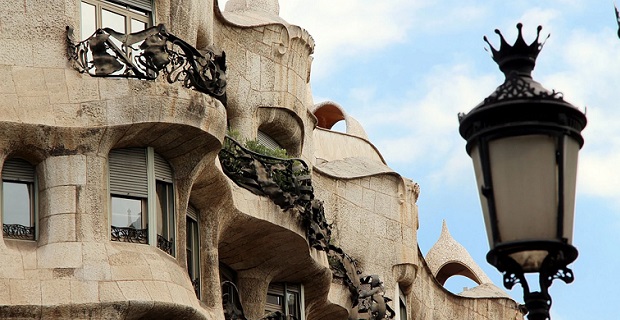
{"x": 455, "y": 268}
{"x": 267, "y": 140}
{"x": 328, "y": 115}
{"x": 458, "y": 284}
{"x": 340, "y": 126}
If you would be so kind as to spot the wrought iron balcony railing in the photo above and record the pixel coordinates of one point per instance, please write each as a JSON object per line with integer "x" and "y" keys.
{"x": 146, "y": 54}
{"x": 287, "y": 182}
{"x": 165, "y": 245}
{"x": 129, "y": 234}
{"x": 17, "y": 231}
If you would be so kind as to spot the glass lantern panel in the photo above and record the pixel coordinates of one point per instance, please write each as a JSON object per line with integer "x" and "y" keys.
{"x": 571, "y": 154}
{"x": 475, "y": 156}
{"x": 524, "y": 173}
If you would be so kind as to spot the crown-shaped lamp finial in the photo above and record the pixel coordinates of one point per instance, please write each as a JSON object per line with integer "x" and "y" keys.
{"x": 520, "y": 57}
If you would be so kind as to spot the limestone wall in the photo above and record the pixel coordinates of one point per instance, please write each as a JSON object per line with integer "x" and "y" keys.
{"x": 429, "y": 300}
{"x": 333, "y": 145}
{"x": 65, "y": 123}
{"x": 268, "y": 66}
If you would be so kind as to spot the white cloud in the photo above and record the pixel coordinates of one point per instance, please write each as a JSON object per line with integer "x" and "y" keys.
{"x": 423, "y": 123}
{"x": 348, "y": 27}
{"x": 591, "y": 77}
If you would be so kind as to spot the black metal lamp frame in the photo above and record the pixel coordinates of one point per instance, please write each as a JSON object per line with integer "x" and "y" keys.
{"x": 521, "y": 107}
{"x": 554, "y": 118}
{"x": 554, "y": 266}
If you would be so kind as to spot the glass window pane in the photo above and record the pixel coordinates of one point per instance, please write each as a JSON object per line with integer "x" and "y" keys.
{"x": 164, "y": 206}
{"x": 137, "y": 25}
{"x": 113, "y": 20}
{"x": 16, "y": 204}
{"x": 89, "y": 20}
{"x": 127, "y": 212}
{"x": 162, "y": 213}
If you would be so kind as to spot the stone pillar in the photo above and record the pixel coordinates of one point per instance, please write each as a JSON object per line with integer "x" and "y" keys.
{"x": 253, "y": 293}
{"x": 61, "y": 180}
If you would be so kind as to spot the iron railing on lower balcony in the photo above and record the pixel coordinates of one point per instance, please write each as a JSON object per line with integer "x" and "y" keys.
{"x": 17, "y": 231}
{"x": 287, "y": 182}
{"x": 165, "y": 245}
{"x": 146, "y": 54}
{"x": 129, "y": 234}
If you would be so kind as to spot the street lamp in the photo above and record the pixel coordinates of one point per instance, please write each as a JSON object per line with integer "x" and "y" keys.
{"x": 524, "y": 141}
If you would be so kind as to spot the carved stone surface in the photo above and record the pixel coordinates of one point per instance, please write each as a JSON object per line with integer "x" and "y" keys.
{"x": 145, "y": 54}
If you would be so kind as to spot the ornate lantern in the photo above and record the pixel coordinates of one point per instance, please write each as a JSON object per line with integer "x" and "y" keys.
{"x": 524, "y": 141}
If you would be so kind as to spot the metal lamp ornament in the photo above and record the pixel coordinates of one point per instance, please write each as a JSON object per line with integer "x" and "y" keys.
{"x": 524, "y": 141}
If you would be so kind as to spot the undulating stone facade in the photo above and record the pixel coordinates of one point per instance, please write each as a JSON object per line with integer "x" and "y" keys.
{"x": 207, "y": 234}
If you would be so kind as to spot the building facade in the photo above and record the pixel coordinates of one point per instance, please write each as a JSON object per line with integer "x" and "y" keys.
{"x": 164, "y": 159}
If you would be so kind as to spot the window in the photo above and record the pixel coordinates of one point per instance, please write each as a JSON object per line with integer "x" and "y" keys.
{"x": 230, "y": 295}
{"x": 267, "y": 140}
{"x": 402, "y": 305}
{"x": 287, "y": 299}
{"x": 124, "y": 16}
{"x": 18, "y": 199}
{"x": 141, "y": 182}
{"x": 192, "y": 246}
{"x": 164, "y": 204}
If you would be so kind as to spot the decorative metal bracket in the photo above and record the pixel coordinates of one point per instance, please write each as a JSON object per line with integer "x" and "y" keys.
{"x": 518, "y": 87}
{"x": 554, "y": 266}
{"x": 146, "y": 54}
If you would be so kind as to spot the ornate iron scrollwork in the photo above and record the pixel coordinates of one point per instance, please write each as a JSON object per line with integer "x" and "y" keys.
{"x": 128, "y": 234}
{"x": 18, "y": 231}
{"x": 518, "y": 87}
{"x": 288, "y": 183}
{"x": 367, "y": 293}
{"x": 146, "y": 54}
{"x": 164, "y": 244}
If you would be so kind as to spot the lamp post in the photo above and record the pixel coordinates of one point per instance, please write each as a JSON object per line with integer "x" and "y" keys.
{"x": 524, "y": 141}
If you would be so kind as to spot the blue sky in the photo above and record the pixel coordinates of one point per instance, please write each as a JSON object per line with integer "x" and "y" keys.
{"x": 405, "y": 68}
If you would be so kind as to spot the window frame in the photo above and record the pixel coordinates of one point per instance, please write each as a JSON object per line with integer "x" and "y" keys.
{"x": 131, "y": 163}
{"x": 131, "y": 10}
{"x": 402, "y": 305}
{"x": 192, "y": 235}
{"x": 281, "y": 290}
{"x": 29, "y": 178}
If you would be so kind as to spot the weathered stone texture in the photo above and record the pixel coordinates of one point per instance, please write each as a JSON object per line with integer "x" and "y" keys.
{"x": 65, "y": 123}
